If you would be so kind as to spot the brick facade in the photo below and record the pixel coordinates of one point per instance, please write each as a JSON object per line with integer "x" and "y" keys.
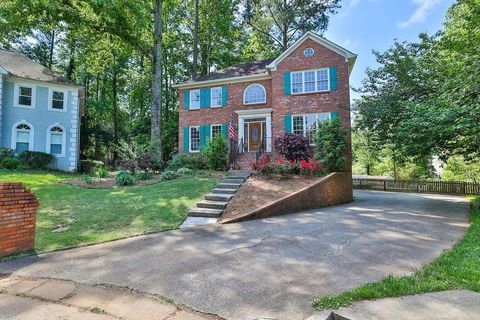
{"x": 281, "y": 104}
{"x": 18, "y": 208}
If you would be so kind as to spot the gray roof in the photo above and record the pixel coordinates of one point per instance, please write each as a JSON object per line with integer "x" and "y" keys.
{"x": 16, "y": 64}
{"x": 238, "y": 70}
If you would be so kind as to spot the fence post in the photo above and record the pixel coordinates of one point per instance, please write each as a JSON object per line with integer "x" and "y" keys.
{"x": 384, "y": 185}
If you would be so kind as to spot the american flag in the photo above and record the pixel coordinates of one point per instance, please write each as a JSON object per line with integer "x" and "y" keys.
{"x": 231, "y": 129}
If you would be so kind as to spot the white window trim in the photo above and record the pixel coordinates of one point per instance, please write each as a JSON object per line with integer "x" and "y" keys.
{"x": 211, "y": 129}
{"x": 16, "y": 95}
{"x": 304, "y": 116}
{"x": 264, "y": 94}
{"x": 316, "y": 81}
{"x": 14, "y": 135}
{"x": 50, "y": 99}
{"x": 64, "y": 140}
{"x": 304, "y": 52}
{"x": 190, "y": 100}
{"x": 211, "y": 95}
{"x": 190, "y": 139}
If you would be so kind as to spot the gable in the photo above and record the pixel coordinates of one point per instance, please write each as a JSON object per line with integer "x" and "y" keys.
{"x": 349, "y": 56}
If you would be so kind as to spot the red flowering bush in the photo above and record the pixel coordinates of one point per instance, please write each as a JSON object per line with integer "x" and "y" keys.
{"x": 263, "y": 165}
{"x": 310, "y": 167}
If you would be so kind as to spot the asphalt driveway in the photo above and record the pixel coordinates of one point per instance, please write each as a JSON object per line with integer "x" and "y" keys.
{"x": 270, "y": 268}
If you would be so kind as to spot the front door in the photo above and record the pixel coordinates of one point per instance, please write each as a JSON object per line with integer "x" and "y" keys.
{"x": 254, "y": 136}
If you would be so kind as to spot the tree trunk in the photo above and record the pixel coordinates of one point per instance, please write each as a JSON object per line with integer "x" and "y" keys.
{"x": 115, "y": 111}
{"x": 156, "y": 142}
{"x": 50, "y": 56}
{"x": 195, "y": 41}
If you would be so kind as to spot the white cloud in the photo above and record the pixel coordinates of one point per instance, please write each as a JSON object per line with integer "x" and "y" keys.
{"x": 353, "y": 4}
{"x": 421, "y": 14}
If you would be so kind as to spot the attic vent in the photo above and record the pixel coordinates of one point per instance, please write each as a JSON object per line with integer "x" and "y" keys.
{"x": 308, "y": 52}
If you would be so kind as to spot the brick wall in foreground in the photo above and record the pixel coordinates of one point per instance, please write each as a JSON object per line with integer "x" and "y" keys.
{"x": 18, "y": 207}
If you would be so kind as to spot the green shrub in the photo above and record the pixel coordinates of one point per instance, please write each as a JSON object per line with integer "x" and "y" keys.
{"x": 87, "y": 178}
{"x": 36, "y": 159}
{"x": 185, "y": 171}
{"x": 10, "y": 163}
{"x": 144, "y": 175}
{"x": 6, "y": 153}
{"x": 330, "y": 145}
{"x": 124, "y": 178}
{"x": 196, "y": 161}
{"x": 217, "y": 153}
{"x": 169, "y": 175}
{"x": 89, "y": 166}
{"x": 101, "y": 172}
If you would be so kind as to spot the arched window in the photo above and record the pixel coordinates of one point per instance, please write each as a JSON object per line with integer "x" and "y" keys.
{"x": 22, "y": 137}
{"x": 254, "y": 93}
{"x": 56, "y": 140}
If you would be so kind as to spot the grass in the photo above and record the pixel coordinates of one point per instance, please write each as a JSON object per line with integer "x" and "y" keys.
{"x": 100, "y": 215}
{"x": 458, "y": 268}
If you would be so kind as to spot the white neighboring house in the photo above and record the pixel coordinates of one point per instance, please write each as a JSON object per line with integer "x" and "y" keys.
{"x": 39, "y": 110}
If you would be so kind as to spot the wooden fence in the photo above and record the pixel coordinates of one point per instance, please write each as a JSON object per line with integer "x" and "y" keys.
{"x": 423, "y": 186}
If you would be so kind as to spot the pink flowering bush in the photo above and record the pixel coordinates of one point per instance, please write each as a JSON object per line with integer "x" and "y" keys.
{"x": 310, "y": 167}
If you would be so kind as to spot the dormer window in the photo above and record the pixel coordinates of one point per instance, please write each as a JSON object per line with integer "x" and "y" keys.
{"x": 254, "y": 94}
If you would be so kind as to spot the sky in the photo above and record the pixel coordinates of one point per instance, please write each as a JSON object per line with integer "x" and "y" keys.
{"x": 365, "y": 25}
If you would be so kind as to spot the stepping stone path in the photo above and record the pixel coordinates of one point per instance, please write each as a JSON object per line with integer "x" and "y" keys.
{"x": 216, "y": 201}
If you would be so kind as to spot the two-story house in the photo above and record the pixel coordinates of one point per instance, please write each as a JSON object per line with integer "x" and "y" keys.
{"x": 39, "y": 110}
{"x": 307, "y": 83}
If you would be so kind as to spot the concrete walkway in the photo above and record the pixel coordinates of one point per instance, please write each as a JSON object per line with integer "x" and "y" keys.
{"x": 270, "y": 268}
{"x": 26, "y": 298}
{"x": 444, "y": 305}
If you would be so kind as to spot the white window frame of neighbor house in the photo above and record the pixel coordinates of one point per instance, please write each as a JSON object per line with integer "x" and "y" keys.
{"x": 319, "y": 117}
{"x": 251, "y": 86}
{"x": 192, "y": 105}
{"x": 215, "y": 100}
{"x": 315, "y": 80}
{"x": 212, "y": 131}
{"x": 16, "y": 93}
{"x": 49, "y": 140}
{"x": 190, "y": 139}
{"x": 51, "y": 92}
{"x": 15, "y": 131}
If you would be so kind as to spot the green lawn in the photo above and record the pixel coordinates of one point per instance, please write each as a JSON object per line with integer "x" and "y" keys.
{"x": 458, "y": 268}
{"x": 99, "y": 215}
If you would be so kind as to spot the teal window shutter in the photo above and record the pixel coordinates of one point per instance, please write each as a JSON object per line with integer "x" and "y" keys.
{"x": 288, "y": 123}
{"x": 287, "y": 83}
{"x": 186, "y": 99}
{"x": 334, "y": 115}
{"x": 205, "y": 98}
{"x": 186, "y": 136}
{"x": 333, "y": 79}
{"x": 224, "y": 95}
{"x": 207, "y": 133}
{"x": 224, "y": 130}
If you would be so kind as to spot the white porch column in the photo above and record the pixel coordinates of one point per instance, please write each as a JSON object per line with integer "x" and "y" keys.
{"x": 268, "y": 124}
{"x": 241, "y": 126}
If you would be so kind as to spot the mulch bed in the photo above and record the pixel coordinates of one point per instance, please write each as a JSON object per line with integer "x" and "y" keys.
{"x": 107, "y": 183}
{"x": 259, "y": 191}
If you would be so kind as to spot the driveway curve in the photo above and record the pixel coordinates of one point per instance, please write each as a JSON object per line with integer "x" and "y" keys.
{"x": 269, "y": 268}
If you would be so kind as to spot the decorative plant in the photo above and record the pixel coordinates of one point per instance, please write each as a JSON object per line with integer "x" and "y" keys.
{"x": 36, "y": 159}
{"x": 330, "y": 144}
{"x": 124, "y": 178}
{"x": 310, "y": 167}
{"x": 169, "y": 175}
{"x": 217, "y": 153}
{"x": 292, "y": 147}
{"x": 10, "y": 163}
{"x": 197, "y": 161}
{"x": 185, "y": 171}
{"x": 263, "y": 165}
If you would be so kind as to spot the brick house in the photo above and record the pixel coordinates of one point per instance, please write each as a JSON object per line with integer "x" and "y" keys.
{"x": 308, "y": 82}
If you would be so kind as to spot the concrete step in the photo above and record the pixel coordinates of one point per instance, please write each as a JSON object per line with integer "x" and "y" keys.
{"x": 225, "y": 191}
{"x": 222, "y": 185}
{"x": 218, "y": 197}
{"x": 212, "y": 204}
{"x": 204, "y": 212}
{"x": 233, "y": 180}
{"x": 234, "y": 175}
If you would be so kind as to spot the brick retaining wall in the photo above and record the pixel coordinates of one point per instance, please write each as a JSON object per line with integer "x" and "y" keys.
{"x": 18, "y": 208}
{"x": 335, "y": 188}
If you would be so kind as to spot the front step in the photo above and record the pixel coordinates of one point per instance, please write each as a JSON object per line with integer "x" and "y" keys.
{"x": 228, "y": 185}
{"x": 205, "y": 212}
{"x": 233, "y": 180}
{"x": 224, "y": 191}
{"x": 218, "y": 197}
{"x": 234, "y": 175}
{"x": 221, "y": 205}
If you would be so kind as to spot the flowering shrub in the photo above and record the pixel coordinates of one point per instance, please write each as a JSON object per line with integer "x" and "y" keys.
{"x": 310, "y": 167}
{"x": 263, "y": 165}
{"x": 292, "y": 147}
{"x": 287, "y": 167}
